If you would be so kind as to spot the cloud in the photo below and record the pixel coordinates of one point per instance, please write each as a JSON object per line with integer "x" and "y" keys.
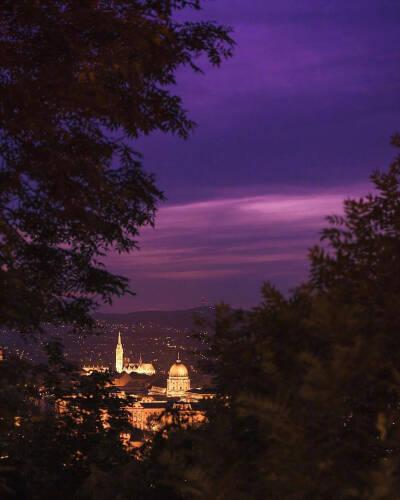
{"x": 297, "y": 49}
{"x": 236, "y": 215}
{"x": 213, "y": 239}
{"x": 195, "y": 275}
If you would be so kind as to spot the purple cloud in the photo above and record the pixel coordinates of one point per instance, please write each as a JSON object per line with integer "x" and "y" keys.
{"x": 198, "y": 245}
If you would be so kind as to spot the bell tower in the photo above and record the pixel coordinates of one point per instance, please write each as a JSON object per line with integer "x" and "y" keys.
{"x": 119, "y": 355}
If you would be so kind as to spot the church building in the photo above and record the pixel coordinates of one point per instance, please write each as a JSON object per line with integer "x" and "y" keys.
{"x": 127, "y": 367}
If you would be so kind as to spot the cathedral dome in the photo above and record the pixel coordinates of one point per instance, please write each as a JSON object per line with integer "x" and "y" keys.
{"x": 178, "y": 369}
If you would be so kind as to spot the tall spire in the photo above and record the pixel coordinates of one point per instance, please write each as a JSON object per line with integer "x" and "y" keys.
{"x": 119, "y": 355}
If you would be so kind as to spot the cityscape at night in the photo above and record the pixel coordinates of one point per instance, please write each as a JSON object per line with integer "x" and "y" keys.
{"x": 199, "y": 249}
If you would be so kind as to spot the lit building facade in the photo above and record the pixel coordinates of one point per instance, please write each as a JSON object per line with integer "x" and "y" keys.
{"x": 178, "y": 382}
{"x": 127, "y": 367}
{"x": 152, "y": 408}
{"x": 89, "y": 369}
{"x": 177, "y": 401}
{"x": 152, "y": 415}
{"x": 119, "y": 355}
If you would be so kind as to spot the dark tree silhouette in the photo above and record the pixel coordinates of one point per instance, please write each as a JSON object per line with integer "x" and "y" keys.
{"x": 79, "y": 80}
{"x": 54, "y": 441}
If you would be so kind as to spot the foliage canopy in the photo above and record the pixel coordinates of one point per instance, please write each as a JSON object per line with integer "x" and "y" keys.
{"x": 79, "y": 81}
{"x": 54, "y": 440}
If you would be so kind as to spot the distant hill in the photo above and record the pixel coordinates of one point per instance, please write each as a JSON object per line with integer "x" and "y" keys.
{"x": 157, "y": 335}
{"x": 179, "y": 319}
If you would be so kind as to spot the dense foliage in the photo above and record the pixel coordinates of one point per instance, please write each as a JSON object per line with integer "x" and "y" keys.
{"x": 55, "y": 440}
{"x": 309, "y": 384}
{"x": 79, "y": 81}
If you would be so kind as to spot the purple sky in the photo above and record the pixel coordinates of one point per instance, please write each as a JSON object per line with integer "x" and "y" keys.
{"x": 287, "y": 128}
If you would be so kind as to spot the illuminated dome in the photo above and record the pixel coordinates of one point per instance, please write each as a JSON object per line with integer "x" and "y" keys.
{"x": 178, "y": 382}
{"x": 178, "y": 369}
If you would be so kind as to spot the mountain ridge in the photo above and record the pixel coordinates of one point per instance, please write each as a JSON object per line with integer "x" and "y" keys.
{"x": 178, "y": 317}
